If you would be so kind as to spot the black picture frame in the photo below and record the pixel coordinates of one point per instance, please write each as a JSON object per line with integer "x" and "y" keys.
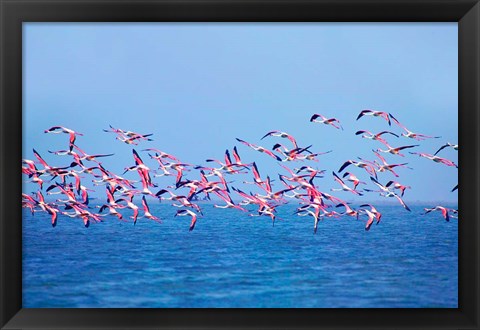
{"x": 14, "y": 12}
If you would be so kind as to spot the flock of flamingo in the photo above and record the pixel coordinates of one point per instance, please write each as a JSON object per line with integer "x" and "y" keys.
{"x": 297, "y": 183}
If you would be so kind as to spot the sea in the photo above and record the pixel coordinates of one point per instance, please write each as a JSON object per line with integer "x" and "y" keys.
{"x": 232, "y": 260}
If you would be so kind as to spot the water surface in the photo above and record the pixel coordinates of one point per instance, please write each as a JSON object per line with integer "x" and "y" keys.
{"x": 232, "y": 260}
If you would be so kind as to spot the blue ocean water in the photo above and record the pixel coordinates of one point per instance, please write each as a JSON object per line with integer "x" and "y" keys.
{"x": 233, "y": 260}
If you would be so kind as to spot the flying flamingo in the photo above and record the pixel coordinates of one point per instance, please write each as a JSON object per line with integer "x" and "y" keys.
{"x": 344, "y": 186}
{"x": 367, "y": 112}
{"x": 84, "y": 214}
{"x": 229, "y": 202}
{"x": 386, "y": 166}
{"x": 326, "y": 121}
{"x": 367, "y": 167}
{"x": 160, "y": 154}
{"x": 315, "y": 215}
{"x": 448, "y": 144}
{"x": 181, "y": 213}
{"x": 236, "y": 156}
{"x": 397, "y": 185}
{"x": 88, "y": 157}
{"x": 128, "y": 137}
{"x": 61, "y": 129}
{"x": 354, "y": 179}
{"x": 146, "y": 211}
{"x": 348, "y": 210}
{"x": 133, "y": 139}
{"x": 444, "y": 211}
{"x": 50, "y": 209}
{"x": 377, "y": 137}
{"x": 260, "y": 149}
{"x": 228, "y": 165}
{"x": 396, "y": 151}
{"x": 256, "y": 177}
{"x": 309, "y": 169}
{"x": 131, "y": 206}
{"x": 47, "y": 168}
{"x": 373, "y": 210}
{"x": 436, "y": 159}
{"x": 384, "y": 191}
{"x": 371, "y": 218}
{"x": 266, "y": 210}
{"x": 112, "y": 211}
{"x": 185, "y": 202}
{"x": 410, "y": 134}
{"x": 296, "y": 154}
{"x": 282, "y": 135}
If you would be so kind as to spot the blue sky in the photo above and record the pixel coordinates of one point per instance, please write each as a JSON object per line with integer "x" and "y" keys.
{"x": 198, "y": 86}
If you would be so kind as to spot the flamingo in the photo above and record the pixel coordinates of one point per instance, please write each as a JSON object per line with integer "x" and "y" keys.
{"x": 354, "y": 179}
{"x": 315, "y": 215}
{"x": 436, "y": 159}
{"x": 384, "y": 191}
{"x": 85, "y": 215}
{"x": 229, "y": 202}
{"x": 373, "y": 210}
{"x": 88, "y": 157}
{"x": 348, "y": 210}
{"x": 367, "y": 112}
{"x": 377, "y": 137}
{"x": 296, "y": 154}
{"x": 228, "y": 165}
{"x": 182, "y": 213}
{"x": 61, "y": 129}
{"x": 49, "y": 208}
{"x": 185, "y": 202}
{"x": 146, "y": 211}
{"x": 273, "y": 195}
{"x": 326, "y": 121}
{"x": 371, "y": 218}
{"x": 236, "y": 156}
{"x": 256, "y": 177}
{"x": 260, "y": 149}
{"x": 112, "y": 211}
{"x": 47, "y": 168}
{"x": 282, "y": 135}
{"x": 30, "y": 202}
{"x": 396, "y": 151}
{"x": 67, "y": 191}
{"x": 367, "y": 167}
{"x": 386, "y": 166}
{"x": 160, "y": 154}
{"x": 128, "y": 137}
{"x": 397, "y": 185}
{"x": 266, "y": 210}
{"x": 178, "y": 167}
{"x": 35, "y": 178}
{"x": 309, "y": 169}
{"x": 131, "y": 206}
{"x": 344, "y": 186}
{"x": 444, "y": 211}
{"x": 133, "y": 139}
{"x": 410, "y": 134}
{"x": 448, "y": 144}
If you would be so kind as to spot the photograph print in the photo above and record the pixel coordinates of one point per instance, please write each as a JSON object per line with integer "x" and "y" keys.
{"x": 240, "y": 165}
